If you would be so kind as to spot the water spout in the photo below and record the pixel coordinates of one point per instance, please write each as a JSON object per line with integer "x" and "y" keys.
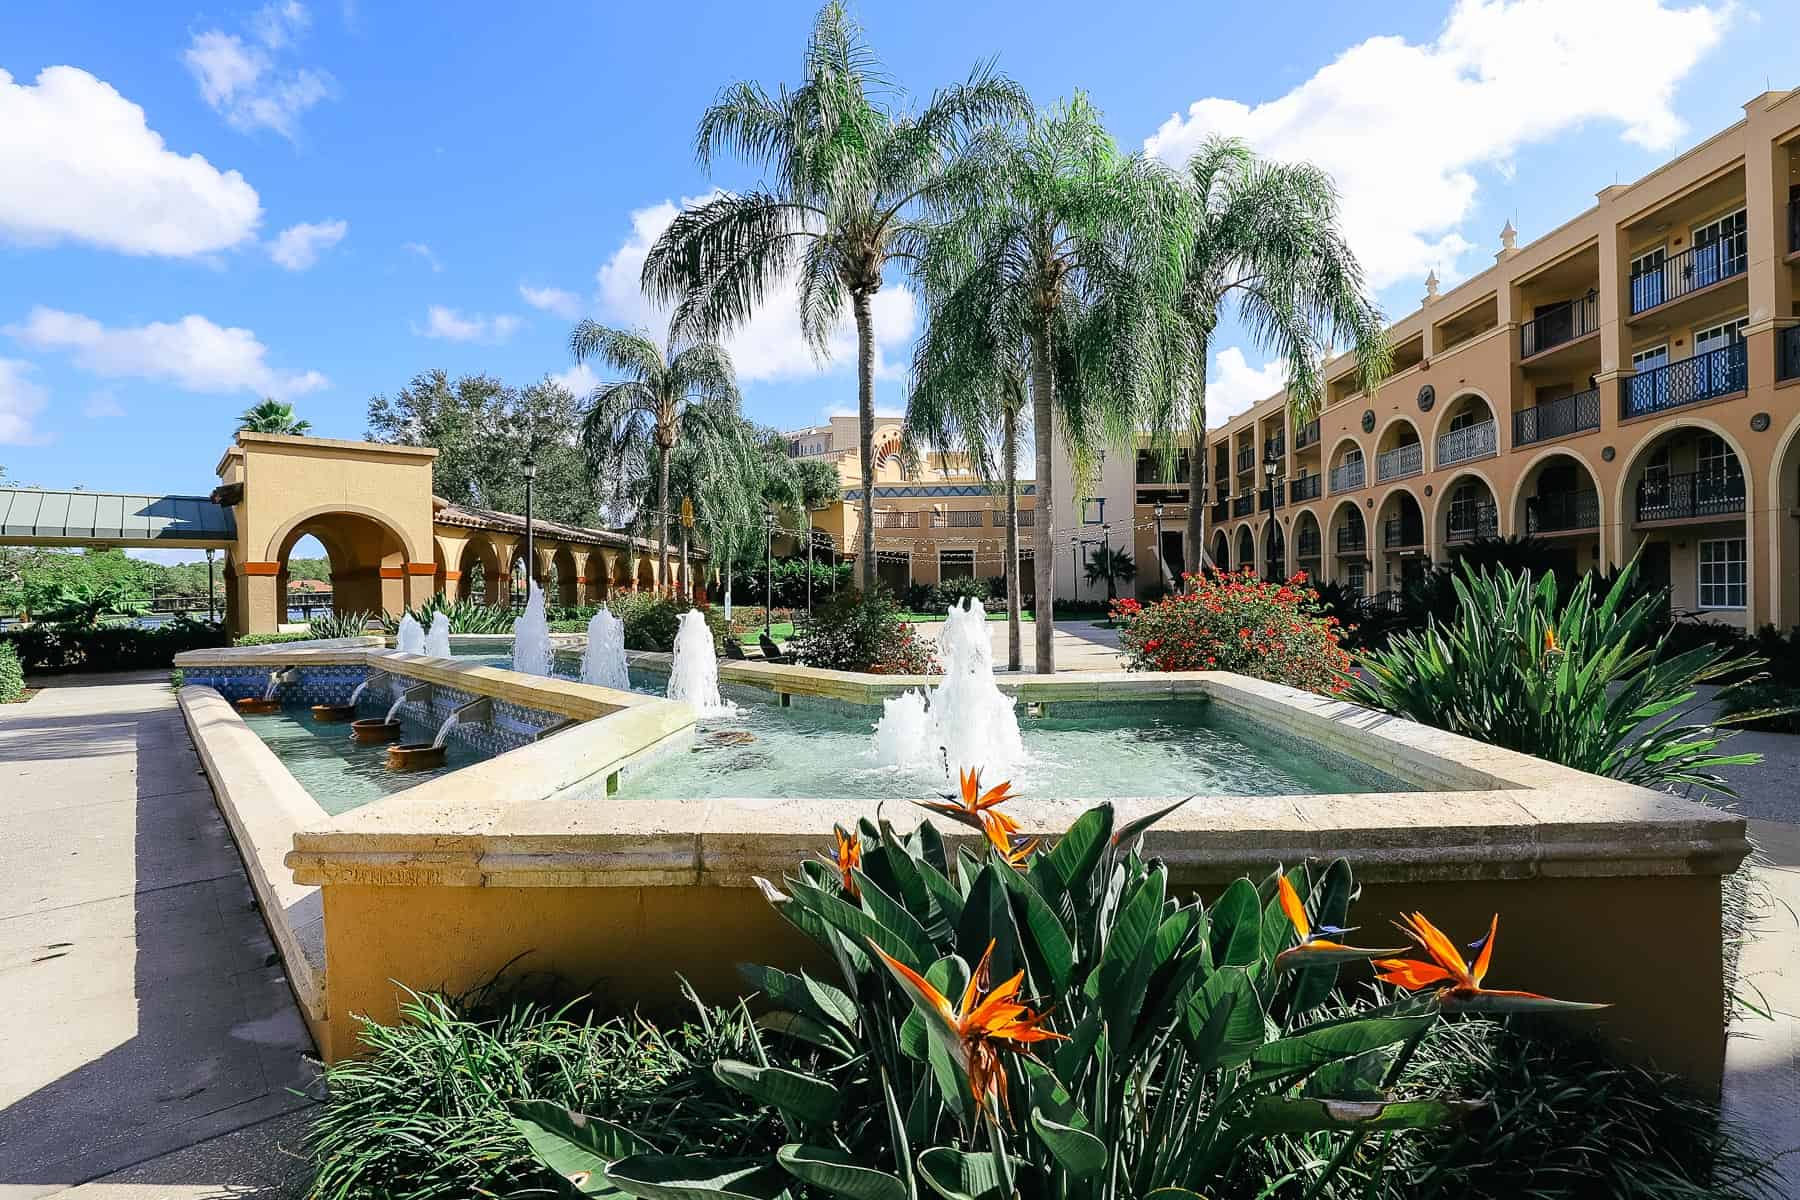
{"x": 531, "y": 636}
{"x": 694, "y": 673}
{"x": 444, "y": 731}
{"x": 411, "y": 638}
{"x": 357, "y": 691}
{"x": 394, "y": 708}
{"x": 437, "y": 642}
{"x": 966, "y": 722}
{"x": 603, "y": 662}
{"x": 278, "y": 679}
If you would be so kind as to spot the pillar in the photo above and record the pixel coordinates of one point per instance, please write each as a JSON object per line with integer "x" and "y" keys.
{"x": 257, "y": 592}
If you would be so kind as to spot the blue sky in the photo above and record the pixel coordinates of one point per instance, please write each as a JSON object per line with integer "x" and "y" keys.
{"x": 319, "y": 200}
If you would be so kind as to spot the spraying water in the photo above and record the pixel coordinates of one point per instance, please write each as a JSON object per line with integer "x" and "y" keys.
{"x": 694, "y": 675}
{"x": 966, "y": 722}
{"x": 531, "y": 636}
{"x": 411, "y": 638}
{"x": 437, "y": 642}
{"x": 450, "y": 722}
{"x": 603, "y": 662}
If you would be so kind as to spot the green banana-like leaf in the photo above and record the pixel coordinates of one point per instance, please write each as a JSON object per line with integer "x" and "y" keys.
{"x": 1281, "y": 1114}
{"x": 931, "y": 848}
{"x": 1513, "y": 1002}
{"x": 946, "y": 898}
{"x": 1129, "y": 832}
{"x": 802, "y": 994}
{"x": 1236, "y": 925}
{"x": 1128, "y": 960}
{"x": 575, "y": 1146}
{"x": 1313, "y": 1048}
{"x": 1048, "y": 944}
{"x": 987, "y": 917}
{"x": 803, "y": 1027}
{"x": 1224, "y": 1019}
{"x": 839, "y": 1173}
{"x": 806, "y": 1099}
{"x": 861, "y": 929}
{"x": 956, "y": 1175}
{"x": 691, "y": 1177}
{"x": 1330, "y": 906}
{"x": 1080, "y": 1152}
{"x": 949, "y": 975}
{"x": 1079, "y": 851}
{"x": 894, "y": 915}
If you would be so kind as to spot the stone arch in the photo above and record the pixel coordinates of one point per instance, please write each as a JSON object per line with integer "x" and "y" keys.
{"x": 1308, "y": 550}
{"x": 1245, "y": 547}
{"x": 1784, "y": 529}
{"x": 369, "y": 558}
{"x": 1468, "y": 405}
{"x": 1221, "y": 550}
{"x": 1272, "y": 556}
{"x": 1346, "y": 529}
{"x": 646, "y": 573}
{"x": 1394, "y": 438}
{"x": 1687, "y": 499}
{"x": 567, "y": 591}
{"x": 376, "y": 516}
{"x": 481, "y": 571}
{"x": 599, "y": 578}
{"x": 1466, "y": 508}
{"x": 621, "y": 570}
{"x": 1346, "y": 451}
{"x": 1398, "y": 539}
{"x": 1573, "y": 508}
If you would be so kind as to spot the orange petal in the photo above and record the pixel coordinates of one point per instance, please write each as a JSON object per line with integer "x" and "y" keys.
{"x": 1409, "y": 973}
{"x": 1291, "y": 905}
{"x": 978, "y": 981}
{"x": 1487, "y": 952}
{"x": 918, "y": 984}
{"x": 991, "y": 1009}
{"x": 1438, "y": 946}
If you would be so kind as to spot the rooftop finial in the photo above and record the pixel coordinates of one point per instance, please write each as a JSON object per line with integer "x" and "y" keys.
{"x": 1431, "y": 287}
{"x": 1509, "y": 239}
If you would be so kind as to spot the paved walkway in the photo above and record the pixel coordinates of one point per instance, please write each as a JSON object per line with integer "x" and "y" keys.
{"x": 1081, "y": 645}
{"x": 142, "y": 1010}
{"x": 1762, "y": 1059}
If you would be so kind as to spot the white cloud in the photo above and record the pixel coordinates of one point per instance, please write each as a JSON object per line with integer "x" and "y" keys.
{"x": 452, "y": 325}
{"x": 102, "y": 404}
{"x": 1233, "y": 386}
{"x": 579, "y": 379}
{"x": 242, "y": 79}
{"x": 192, "y": 353}
{"x": 298, "y": 246}
{"x": 81, "y": 164}
{"x": 770, "y": 346}
{"x": 425, "y": 252}
{"x": 558, "y": 301}
{"x": 21, "y": 401}
{"x": 1403, "y": 127}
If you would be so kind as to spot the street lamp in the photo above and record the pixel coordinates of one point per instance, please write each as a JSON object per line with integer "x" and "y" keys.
{"x": 211, "y": 608}
{"x": 530, "y": 470}
{"x": 768, "y": 571}
{"x": 1162, "y": 564}
{"x": 1074, "y": 567}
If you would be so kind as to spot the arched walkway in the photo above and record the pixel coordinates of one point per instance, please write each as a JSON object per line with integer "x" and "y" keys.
{"x": 368, "y": 561}
{"x": 1557, "y": 503}
{"x": 1682, "y": 501}
{"x": 1347, "y": 547}
{"x": 1274, "y": 551}
{"x": 1399, "y": 451}
{"x": 1784, "y": 532}
{"x": 1403, "y": 554}
{"x": 1221, "y": 551}
{"x": 646, "y": 574}
{"x": 562, "y": 588}
{"x": 1246, "y": 549}
{"x": 1348, "y": 471}
{"x": 1309, "y": 544}
{"x": 1465, "y": 430}
{"x": 481, "y": 574}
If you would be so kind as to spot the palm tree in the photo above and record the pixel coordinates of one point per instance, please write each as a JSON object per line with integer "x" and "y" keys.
{"x": 1267, "y": 236}
{"x": 816, "y": 484}
{"x": 1064, "y": 269}
{"x": 1113, "y": 566}
{"x": 641, "y": 416}
{"x": 849, "y": 174}
{"x": 272, "y": 416}
{"x": 714, "y": 467}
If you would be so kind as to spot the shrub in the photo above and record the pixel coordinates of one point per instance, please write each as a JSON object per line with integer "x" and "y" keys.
{"x": 47, "y": 649}
{"x": 1773, "y": 707}
{"x": 272, "y": 639}
{"x": 651, "y": 619}
{"x": 863, "y": 632}
{"x": 1221, "y": 622}
{"x": 789, "y": 578}
{"x": 934, "y": 599}
{"x": 1174, "y": 1042}
{"x": 465, "y": 616}
{"x": 424, "y": 1112}
{"x": 1579, "y": 683}
{"x": 12, "y": 675}
{"x": 341, "y": 625}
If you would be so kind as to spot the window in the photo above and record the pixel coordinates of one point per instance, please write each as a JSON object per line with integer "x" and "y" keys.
{"x": 956, "y": 564}
{"x": 1723, "y": 573}
{"x": 1093, "y": 511}
{"x": 1719, "y": 336}
{"x": 1649, "y": 360}
{"x": 1356, "y": 580}
{"x": 1713, "y": 457}
{"x": 1648, "y": 287}
{"x": 1720, "y": 248}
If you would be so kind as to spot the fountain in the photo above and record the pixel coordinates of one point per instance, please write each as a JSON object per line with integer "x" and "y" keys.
{"x": 386, "y": 728}
{"x": 437, "y": 642}
{"x": 415, "y": 756}
{"x": 966, "y": 722}
{"x": 267, "y": 702}
{"x": 411, "y": 637}
{"x": 603, "y": 662}
{"x": 531, "y": 636}
{"x": 694, "y": 674}
{"x": 330, "y": 714}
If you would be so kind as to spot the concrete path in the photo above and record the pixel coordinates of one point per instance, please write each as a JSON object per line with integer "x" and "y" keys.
{"x": 1762, "y": 1059}
{"x": 1080, "y": 644}
{"x": 142, "y": 1008}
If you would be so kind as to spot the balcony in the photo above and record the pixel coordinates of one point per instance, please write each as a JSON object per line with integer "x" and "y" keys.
{"x": 1275, "y": 447}
{"x": 1150, "y": 469}
{"x": 1691, "y": 380}
{"x": 1557, "y": 418}
{"x": 961, "y": 518}
{"x": 1562, "y": 512}
{"x": 1348, "y": 477}
{"x": 1567, "y": 321}
{"x": 1350, "y": 540}
{"x": 1307, "y": 435}
{"x": 1243, "y": 506}
{"x": 1694, "y": 268}
{"x": 1246, "y": 459}
{"x": 1689, "y": 495}
{"x": 1026, "y": 518}
{"x": 1220, "y": 512}
{"x": 1306, "y": 487}
{"x": 1308, "y": 544}
{"x": 1399, "y": 533}
{"x": 1400, "y": 462}
{"x": 1471, "y": 521}
{"x": 1471, "y": 441}
{"x": 896, "y": 520}
{"x": 1787, "y": 353}
{"x": 1794, "y": 226}
{"x": 1273, "y": 496}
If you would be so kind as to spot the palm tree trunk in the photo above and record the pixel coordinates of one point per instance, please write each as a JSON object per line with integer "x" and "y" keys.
{"x": 687, "y": 589}
{"x": 865, "y": 418}
{"x": 1043, "y": 403}
{"x": 662, "y": 513}
{"x": 1009, "y": 448}
{"x": 1197, "y": 466}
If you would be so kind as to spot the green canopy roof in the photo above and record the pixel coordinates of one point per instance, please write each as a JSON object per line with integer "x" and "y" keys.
{"x": 30, "y": 516}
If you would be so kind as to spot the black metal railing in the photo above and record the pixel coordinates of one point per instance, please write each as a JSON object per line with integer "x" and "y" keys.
{"x": 1305, "y": 487}
{"x": 1350, "y": 540}
{"x": 1348, "y": 477}
{"x": 1243, "y": 506}
{"x": 957, "y": 518}
{"x": 1308, "y": 542}
{"x": 1150, "y": 468}
{"x": 1702, "y": 377}
{"x": 1560, "y": 512}
{"x": 1220, "y": 491}
{"x": 1692, "y": 494}
{"x": 1564, "y": 323}
{"x": 1694, "y": 268}
{"x": 1787, "y": 353}
{"x": 1471, "y": 441}
{"x": 1275, "y": 447}
{"x": 1557, "y": 418}
{"x": 1398, "y": 531}
{"x": 1400, "y": 462}
{"x": 1246, "y": 459}
{"x": 1220, "y": 512}
{"x": 1273, "y": 496}
{"x": 1307, "y": 434}
{"x": 1470, "y": 521}
{"x": 896, "y": 520}
{"x": 1794, "y": 226}
{"x": 1027, "y": 518}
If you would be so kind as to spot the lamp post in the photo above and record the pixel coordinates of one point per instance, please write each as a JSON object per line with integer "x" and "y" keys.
{"x": 1269, "y": 465}
{"x": 530, "y": 545}
{"x": 1162, "y": 565}
{"x": 768, "y": 571}
{"x": 211, "y": 608}
{"x": 1074, "y": 567}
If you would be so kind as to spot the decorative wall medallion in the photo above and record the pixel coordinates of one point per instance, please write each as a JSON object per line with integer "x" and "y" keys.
{"x": 1369, "y": 503}
{"x": 1368, "y": 421}
{"x": 1760, "y": 422}
{"x": 1428, "y": 489}
{"x": 1608, "y": 453}
{"x": 1427, "y": 397}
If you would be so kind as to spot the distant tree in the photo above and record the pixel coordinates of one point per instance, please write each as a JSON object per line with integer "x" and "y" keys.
{"x": 272, "y": 416}
{"x": 1113, "y": 565}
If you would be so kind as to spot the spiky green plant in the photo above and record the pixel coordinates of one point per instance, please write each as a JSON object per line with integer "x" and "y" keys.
{"x": 1589, "y": 685}
{"x": 272, "y": 416}
{"x": 465, "y": 616}
{"x": 849, "y": 170}
{"x": 341, "y": 625}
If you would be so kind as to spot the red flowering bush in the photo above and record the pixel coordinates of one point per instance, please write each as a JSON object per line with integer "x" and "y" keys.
{"x": 1222, "y": 622}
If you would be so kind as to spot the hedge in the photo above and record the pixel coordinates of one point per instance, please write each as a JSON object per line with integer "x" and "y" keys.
{"x": 48, "y": 649}
{"x": 12, "y": 675}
